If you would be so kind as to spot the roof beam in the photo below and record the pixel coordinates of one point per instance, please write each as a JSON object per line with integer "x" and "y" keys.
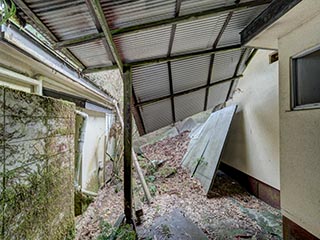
{"x": 21, "y": 4}
{"x": 99, "y": 69}
{"x": 95, "y": 4}
{"x": 184, "y": 56}
{"x": 165, "y": 59}
{"x": 189, "y": 17}
{"x": 78, "y": 41}
{"x": 172, "y": 35}
{"x": 215, "y": 44}
{"x": 166, "y": 22}
{"x": 270, "y": 15}
{"x": 186, "y": 92}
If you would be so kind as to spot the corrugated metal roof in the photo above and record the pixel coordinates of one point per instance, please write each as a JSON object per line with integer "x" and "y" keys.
{"x": 191, "y": 6}
{"x": 197, "y": 35}
{"x": 151, "y": 81}
{"x": 217, "y": 94}
{"x": 92, "y": 54}
{"x": 71, "y": 19}
{"x": 144, "y": 45}
{"x": 189, "y": 104}
{"x": 156, "y": 115}
{"x": 124, "y": 13}
{"x": 240, "y": 19}
{"x": 224, "y": 65}
{"x": 65, "y": 19}
{"x": 190, "y": 73}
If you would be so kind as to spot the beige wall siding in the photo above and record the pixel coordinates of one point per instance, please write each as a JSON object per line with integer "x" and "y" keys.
{"x": 253, "y": 142}
{"x": 299, "y": 138}
{"x": 94, "y": 147}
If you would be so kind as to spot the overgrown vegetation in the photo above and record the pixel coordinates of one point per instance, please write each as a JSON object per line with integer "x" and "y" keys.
{"x": 124, "y": 232}
{"x": 6, "y": 10}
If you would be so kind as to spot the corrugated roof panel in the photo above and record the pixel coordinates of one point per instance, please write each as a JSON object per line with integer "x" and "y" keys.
{"x": 156, "y": 115}
{"x": 191, "y": 6}
{"x": 124, "y": 13}
{"x": 190, "y": 73}
{"x": 65, "y": 19}
{"x": 240, "y": 19}
{"x": 224, "y": 65}
{"x": 151, "y": 82}
{"x": 144, "y": 45}
{"x": 197, "y": 35}
{"x": 92, "y": 54}
{"x": 218, "y": 94}
{"x": 189, "y": 104}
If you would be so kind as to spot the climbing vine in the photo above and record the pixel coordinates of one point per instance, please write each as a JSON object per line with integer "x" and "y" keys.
{"x": 6, "y": 10}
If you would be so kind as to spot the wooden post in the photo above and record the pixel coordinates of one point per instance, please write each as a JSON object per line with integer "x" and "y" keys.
{"x": 127, "y": 135}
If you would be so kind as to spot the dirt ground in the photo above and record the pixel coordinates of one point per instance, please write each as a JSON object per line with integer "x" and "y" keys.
{"x": 229, "y": 213}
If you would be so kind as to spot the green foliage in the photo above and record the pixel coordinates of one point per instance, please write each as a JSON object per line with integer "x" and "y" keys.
{"x": 81, "y": 201}
{"x": 6, "y": 11}
{"x": 153, "y": 189}
{"x": 165, "y": 230}
{"x": 124, "y": 232}
{"x": 200, "y": 161}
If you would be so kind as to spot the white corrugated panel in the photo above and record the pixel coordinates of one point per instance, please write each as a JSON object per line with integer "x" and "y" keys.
{"x": 65, "y": 19}
{"x": 218, "y": 94}
{"x": 125, "y": 13}
{"x": 190, "y": 73}
{"x": 151, "y": 82}
{"x": 156, "y": 115}
{"x": 224, "y": 65}
{"x": 192, "y": 6}
{"x": 92, "y": 54}
{"x": 144, "y": 45}
{"x": 189, "y": 104}
{"x": 238, "y": 22}
{"x": 197, "y": 35}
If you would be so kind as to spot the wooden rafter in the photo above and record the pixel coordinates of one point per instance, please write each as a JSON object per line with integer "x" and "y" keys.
{"x": 166, "y": 22}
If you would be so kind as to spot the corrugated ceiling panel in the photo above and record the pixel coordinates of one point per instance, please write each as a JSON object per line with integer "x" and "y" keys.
{"x": 190, "y": 73}
{"x": 224, "y": 65}
{"x": 144, "y": 45}
{"x": 238, "y": 22}
{"x": 151, "y": 82}
{"x": 189, "y": 104}
{"x": 92, "y": 54}
{"x": 124, "y": 13}
{"x": 197, "y": 35}
{"x": 192, "y": 6}
{"x": 156, "y": 115}
{"x": 218, "y": 94}
{"x": 65, "y": 19}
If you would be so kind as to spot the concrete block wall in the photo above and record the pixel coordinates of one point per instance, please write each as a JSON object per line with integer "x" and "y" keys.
{"x": 36, "y": 166}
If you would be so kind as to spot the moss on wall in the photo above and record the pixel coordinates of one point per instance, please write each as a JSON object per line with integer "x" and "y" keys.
{"x": 36, "y": 168}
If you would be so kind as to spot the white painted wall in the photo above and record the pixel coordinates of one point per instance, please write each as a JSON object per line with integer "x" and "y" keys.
{"x": 299, "y": 138}
{"x": 94, "y": 147}
{"x": 253, "y": 141}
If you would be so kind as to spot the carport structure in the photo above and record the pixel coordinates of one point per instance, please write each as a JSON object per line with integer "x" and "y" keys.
{"x": 176, "y": 57}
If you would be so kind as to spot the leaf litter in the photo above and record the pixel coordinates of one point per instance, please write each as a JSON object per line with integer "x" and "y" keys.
{"x": 229, "y": 213}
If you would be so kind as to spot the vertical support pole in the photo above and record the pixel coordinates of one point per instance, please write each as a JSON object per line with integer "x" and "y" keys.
{"x": 127, "y": 94}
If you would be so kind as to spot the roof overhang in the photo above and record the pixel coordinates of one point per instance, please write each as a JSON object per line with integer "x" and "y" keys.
{"x": 19, "y": 41}
{"x": 279, "y": 19}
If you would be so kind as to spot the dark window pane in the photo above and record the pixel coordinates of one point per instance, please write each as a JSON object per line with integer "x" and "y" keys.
{"x": 307, "y": 79}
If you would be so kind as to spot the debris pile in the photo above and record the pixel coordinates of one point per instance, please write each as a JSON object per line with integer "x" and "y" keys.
{"x": 229, "y": 213}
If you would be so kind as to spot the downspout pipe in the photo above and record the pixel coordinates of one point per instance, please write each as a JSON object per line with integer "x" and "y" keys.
{"x": 83, "y": 129}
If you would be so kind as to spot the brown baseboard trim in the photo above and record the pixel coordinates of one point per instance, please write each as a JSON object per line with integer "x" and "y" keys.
{"x": 292, "y": 231}
{"x": 257, "y": 188}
